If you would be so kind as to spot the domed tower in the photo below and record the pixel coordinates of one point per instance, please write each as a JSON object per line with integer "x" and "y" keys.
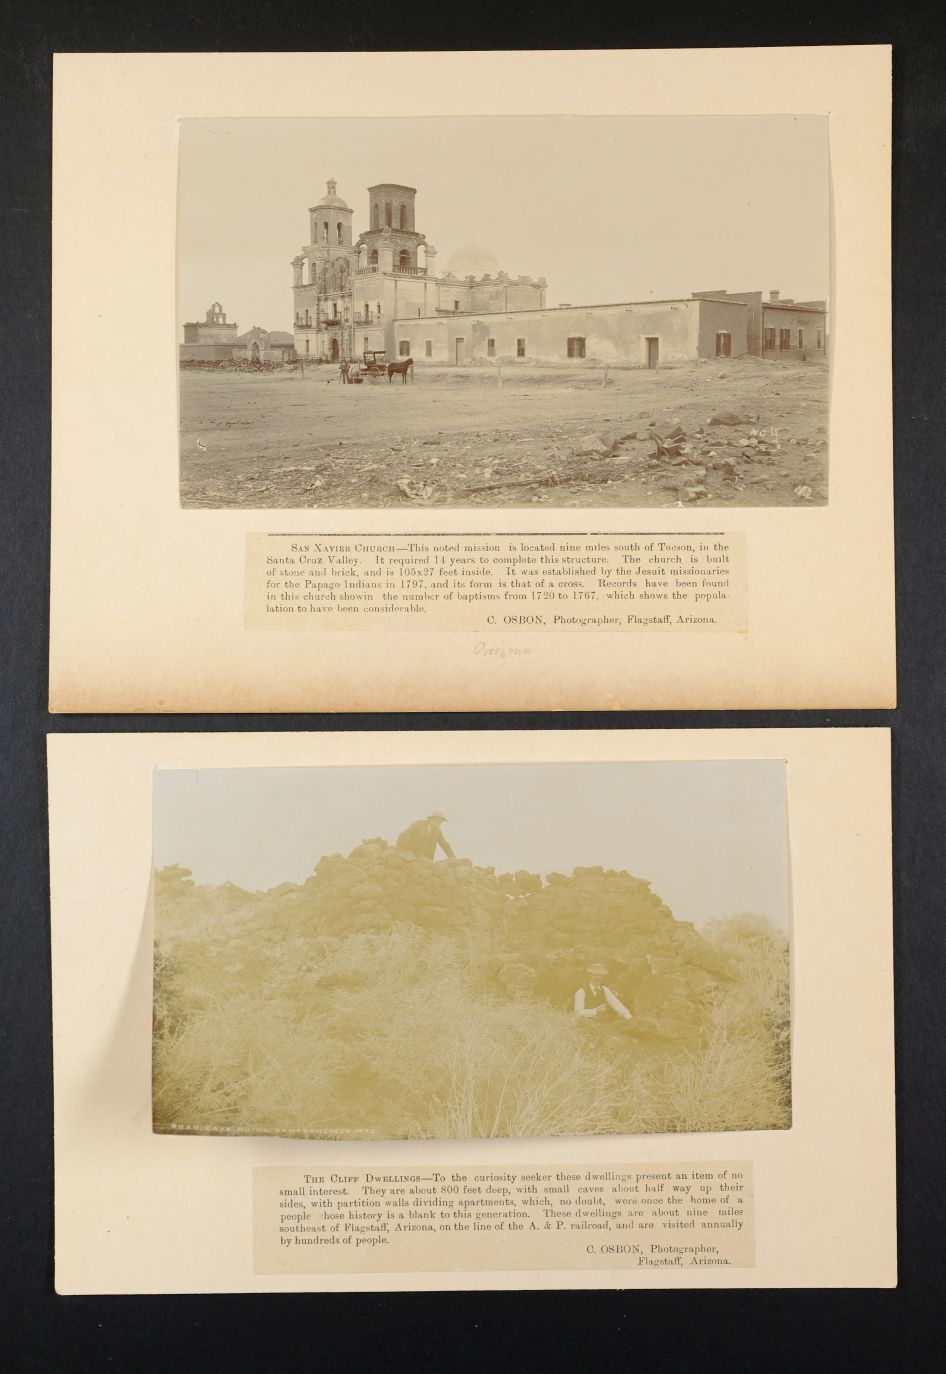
{"x": 330, "y": 220}
{"x": 322, "y": 280}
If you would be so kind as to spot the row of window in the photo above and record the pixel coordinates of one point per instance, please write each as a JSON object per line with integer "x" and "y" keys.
{"x": 574, "y": 348}
{"x": 341, "y": 267}
{"x": 404, "y": 348}
{"x": 403, "y": 258}
{"x": 575, "y": 345}
{"x": 785, "y": 339}
{"x": 306, "y": 319}
{"x": 389, "y": 216}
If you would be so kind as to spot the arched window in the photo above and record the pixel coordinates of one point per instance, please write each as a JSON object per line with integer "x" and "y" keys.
{"x": 325, "y": 231}
{"x": 402, "y": 217}
{"x": 334, "y": 310}
{"x": 404, "y": 258}
{"x": 338, "y": 231}
{"x": 313, "y": 272}
{"x": 375, "y": 215}
{"x": 373, "y": 258}
{"x": 388, "y": 214}
{"x": 366, "y": 310}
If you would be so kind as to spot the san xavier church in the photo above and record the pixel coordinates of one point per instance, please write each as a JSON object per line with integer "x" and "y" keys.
{"x": 382, "y": 291}
{"x": 349, "y": 295}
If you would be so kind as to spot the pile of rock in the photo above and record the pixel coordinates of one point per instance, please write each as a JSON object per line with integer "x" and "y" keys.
{"x": 722, "y": 446}
{"x": 537, "y": 936}
{"x": 661, "y": 968}
{"x": 712, "y": 459}
{"x": 378, "y": 884}
{"x": 534, "y": 937}
{"x": 232, "y": 364}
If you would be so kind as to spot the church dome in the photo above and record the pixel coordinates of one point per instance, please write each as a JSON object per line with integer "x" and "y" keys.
{"x": 331, "y": 198}
{"x": 473, "y": 260}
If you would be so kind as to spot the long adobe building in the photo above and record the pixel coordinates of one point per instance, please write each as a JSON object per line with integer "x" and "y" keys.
{"x": 382, "y": 292}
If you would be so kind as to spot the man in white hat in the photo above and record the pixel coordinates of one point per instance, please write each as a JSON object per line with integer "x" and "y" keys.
{"x": 423, "y": 837}
{"x": 595, "y": 999}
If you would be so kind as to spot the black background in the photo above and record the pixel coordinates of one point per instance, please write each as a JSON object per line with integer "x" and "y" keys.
{"x": 733, "y": 1331}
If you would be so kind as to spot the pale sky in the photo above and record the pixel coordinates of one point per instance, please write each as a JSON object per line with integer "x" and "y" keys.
{"x": 712, "y": 837}
{"x": 607, "y": 209}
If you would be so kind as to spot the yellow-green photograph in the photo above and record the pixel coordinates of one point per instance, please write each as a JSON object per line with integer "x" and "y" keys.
{"x": 457, "y": 952}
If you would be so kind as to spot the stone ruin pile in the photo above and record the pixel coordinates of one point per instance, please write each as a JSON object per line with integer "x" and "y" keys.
{"x": 537, "y": 936}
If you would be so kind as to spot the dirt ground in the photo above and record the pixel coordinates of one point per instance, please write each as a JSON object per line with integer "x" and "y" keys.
{"x": 741, "y": 432}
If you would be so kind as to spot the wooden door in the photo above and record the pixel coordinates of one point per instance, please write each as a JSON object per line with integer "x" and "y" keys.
{"x": 653, "y": 352}
{"x": 460, "y": 352}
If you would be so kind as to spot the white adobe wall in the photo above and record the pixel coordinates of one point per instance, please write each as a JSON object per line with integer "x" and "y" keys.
{"x": 612, "y": 333}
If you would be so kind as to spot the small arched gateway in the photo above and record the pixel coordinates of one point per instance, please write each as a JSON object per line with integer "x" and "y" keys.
{"x": 255, "y": 351}
{"x": 333, "y": 354}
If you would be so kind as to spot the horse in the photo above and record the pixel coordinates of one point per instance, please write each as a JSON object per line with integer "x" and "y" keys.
{"x": 401, "y": 369}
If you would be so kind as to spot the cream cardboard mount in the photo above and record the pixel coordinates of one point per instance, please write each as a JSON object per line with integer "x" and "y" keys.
{"x": 161, "y": 586}
{"x": 138, "y": 1210}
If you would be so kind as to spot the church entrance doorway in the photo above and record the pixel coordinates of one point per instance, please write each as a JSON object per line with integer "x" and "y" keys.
{"x": 334, "y": 351}
{"x": 460, "y": 352}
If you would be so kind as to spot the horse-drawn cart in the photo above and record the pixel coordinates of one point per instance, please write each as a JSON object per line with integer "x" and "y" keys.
{"x": 375, "y": 365}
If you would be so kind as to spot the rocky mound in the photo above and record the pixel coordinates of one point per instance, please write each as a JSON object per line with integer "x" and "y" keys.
{"x": 534, "y": 938}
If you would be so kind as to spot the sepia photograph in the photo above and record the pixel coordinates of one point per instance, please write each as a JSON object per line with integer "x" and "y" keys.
{"x": 498, "y": 312}
{"x": 472, "y": 951}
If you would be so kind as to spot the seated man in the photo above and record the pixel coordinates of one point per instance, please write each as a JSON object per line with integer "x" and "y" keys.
{"x": 595, "y": 999}
{"x": 423, "y": 837}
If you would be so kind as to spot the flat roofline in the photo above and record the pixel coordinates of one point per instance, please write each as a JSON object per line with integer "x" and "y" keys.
{"x": 781, "y": 305}
{"x": 548, "y": 309}
{"x": 391, "y": 186}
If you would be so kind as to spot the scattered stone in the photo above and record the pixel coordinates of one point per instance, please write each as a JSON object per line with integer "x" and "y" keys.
{"x": 416, "y": 491}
